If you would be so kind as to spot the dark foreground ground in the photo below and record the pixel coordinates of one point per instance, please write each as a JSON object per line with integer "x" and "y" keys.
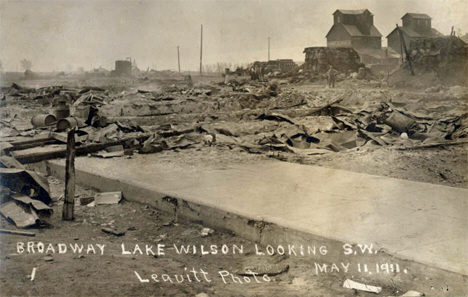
{"x": 90, "y": 272}
{"x": 113, "y": 274}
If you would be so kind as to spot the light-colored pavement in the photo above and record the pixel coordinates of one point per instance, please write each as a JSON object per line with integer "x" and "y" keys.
{"x": 422, "y": 222}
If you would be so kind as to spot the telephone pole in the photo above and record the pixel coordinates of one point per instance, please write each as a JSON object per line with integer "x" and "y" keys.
{"x": 201, "y": 50}
{"x": 268, "y": 48}
{"x": 178, "y": 58}
{"x": 408, "y": 57}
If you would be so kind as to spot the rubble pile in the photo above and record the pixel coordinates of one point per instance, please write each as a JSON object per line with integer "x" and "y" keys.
{"x": 24, "y": 194}
{"x": 434, "y": 61}
{"x": 18, "y": 92}
{"x": 258, "y": 117}
{"x": 441, "y": 52}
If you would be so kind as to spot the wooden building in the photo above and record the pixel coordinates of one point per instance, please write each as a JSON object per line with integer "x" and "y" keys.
{"x": 415, "y": 26}
{"x": 354, "y": 29}
{"x": 280, "y": 65}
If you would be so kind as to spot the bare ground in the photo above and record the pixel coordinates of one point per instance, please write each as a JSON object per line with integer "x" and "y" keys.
{"x": 112, "y": 274}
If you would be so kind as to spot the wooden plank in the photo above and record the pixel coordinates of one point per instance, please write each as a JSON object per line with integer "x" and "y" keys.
{"x": 16, "y": 232}
{"x": 372, "y": 137}
{"x": 50, "y": 151}
{"x": 23, "y": 146}
{"x": 31, "y": 141}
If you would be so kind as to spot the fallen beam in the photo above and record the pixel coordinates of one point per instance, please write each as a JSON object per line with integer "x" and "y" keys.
{"x": 60, "y": 152}
{"x": 30, "y": 144}
{"x": 31, "y": 141}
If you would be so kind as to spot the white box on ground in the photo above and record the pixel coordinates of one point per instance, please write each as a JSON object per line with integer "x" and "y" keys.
{"x": 108, "y": 198}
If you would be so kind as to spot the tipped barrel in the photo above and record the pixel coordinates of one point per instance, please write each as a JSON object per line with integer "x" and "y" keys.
{"x": 43, "y": 120}
{"x": 69, "y": 122}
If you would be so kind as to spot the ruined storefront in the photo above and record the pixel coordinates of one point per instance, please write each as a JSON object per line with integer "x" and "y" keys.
{"x": 343, "y": 59}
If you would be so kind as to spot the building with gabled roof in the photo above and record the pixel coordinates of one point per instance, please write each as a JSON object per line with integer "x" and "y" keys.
{"x": 354, "y": 29}
{"x": 415, "y": 26}
{"x": 410, "y": 15}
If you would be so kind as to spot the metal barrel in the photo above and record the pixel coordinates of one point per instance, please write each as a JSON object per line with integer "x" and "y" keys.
{"x": 62, "y": 112}
{"x": 69, "y": 122}
{"x": 399, "y": 122}
{"x": 43, "y": 120}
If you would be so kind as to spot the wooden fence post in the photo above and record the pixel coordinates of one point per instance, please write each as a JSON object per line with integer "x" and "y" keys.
{"x": 69, "y": 202}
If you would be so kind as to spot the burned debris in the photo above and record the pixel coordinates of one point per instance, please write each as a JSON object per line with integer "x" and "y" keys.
{"x": 25, "y": 197}
{"x": 255, "y": 116}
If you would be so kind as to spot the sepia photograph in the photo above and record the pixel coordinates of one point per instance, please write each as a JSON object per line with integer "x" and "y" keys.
{"x": 234, "y": 148}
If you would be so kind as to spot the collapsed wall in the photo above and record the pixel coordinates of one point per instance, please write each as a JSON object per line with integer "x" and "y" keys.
{"x": 343, "y": 59}
{"x": 435, "y": 61}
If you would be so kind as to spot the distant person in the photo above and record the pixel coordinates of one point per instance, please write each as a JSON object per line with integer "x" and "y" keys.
{"x": 189, "y": 81}
{"x": 253, "y": 74}
{"x": 331, "y": 74}
{"x": 262, "y": 73}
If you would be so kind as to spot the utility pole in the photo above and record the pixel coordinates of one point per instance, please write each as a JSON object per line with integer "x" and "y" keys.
{"x": 408, "y": 57}
{"x": 201, "y": 50}
{"x": 268, "y": 48}
{"x": 401, "y": 46}
{"x": 178, "y": 58}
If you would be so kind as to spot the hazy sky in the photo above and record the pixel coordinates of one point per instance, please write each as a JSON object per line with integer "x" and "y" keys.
{"x": 54, "y": 34}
